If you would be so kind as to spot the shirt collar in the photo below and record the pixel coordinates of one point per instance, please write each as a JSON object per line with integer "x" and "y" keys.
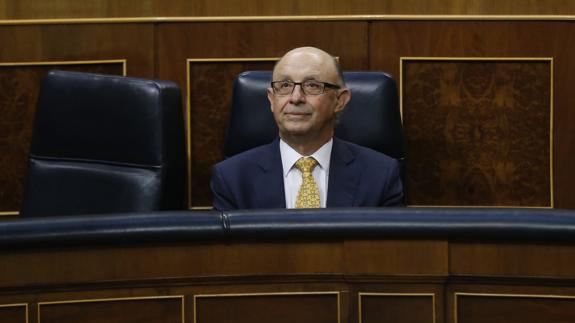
{"x": 290, "y": 156}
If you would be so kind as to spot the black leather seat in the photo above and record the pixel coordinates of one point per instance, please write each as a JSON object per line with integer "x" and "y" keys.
{"x": 105, "y": 144}
{"x": 371, "y": 118}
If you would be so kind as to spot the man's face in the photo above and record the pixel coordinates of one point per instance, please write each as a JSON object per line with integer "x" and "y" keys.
{"x": 310, "y": 117}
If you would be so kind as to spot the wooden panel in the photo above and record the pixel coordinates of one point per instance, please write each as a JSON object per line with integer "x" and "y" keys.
{"x": 477, "y": 131}
{"x": 211, "y": 82}
{"x": 30, "y": 9}
{"x": 264, "y": 308}
{"x": 428, "y": 257}
{"x": 19, "y": 88}
{"x": 14, "y": 313}
{"x": 396, "y": 307}
{"x": 83, "y": 42}
{"x": 136, "y": 310}
{"x": 209, "y": 105}
{"x": 512, "y": 259}
{"x": 514, "y": 308}
{"x": 391, "y": 40}
{"x": 177, "y": 261}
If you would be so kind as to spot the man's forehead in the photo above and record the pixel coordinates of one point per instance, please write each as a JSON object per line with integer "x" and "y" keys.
{"x": 304, "y": 66}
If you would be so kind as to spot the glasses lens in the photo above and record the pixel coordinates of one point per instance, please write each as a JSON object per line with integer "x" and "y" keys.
{"x": 283, "y": 87}
{"x": 312, "y": 87}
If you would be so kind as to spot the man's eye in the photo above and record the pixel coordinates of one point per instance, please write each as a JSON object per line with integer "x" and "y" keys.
{"x": 312, "y": 85}
{"x": 285, "y": 84}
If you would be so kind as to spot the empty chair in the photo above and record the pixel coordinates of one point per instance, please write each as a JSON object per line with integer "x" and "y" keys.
{"x": 105, "y": 144}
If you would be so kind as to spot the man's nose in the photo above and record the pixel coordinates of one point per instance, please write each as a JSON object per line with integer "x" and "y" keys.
{"x": 297, "y": 94}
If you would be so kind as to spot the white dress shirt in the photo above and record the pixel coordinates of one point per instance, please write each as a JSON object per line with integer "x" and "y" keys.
{"x": 293, "y": 177}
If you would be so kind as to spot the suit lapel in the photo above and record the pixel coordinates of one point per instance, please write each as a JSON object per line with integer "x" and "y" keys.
{"x": 269, "y": 185}
{"x": 344, "y": 176}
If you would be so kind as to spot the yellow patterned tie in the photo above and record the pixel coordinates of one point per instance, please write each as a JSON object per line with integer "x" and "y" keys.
{"x": 308, "y": 195}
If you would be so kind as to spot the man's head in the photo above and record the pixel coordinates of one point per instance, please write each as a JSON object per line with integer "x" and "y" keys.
{"x": 306, "y": 115}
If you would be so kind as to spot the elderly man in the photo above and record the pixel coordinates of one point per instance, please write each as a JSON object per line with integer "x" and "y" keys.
{"x": 306, "y": 167}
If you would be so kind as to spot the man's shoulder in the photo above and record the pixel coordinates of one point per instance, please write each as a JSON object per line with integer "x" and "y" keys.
{"x": 251, "y": 156}
{"x": 364, "y": 153}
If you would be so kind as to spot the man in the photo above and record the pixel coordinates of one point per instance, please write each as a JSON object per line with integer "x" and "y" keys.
{"x": 306, "y": 166}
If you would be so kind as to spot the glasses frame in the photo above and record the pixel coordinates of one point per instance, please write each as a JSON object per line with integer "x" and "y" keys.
{"x": 325, "y": 85}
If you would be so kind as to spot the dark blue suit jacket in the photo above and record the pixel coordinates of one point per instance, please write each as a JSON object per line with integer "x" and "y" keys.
{"x": 358, "y": 176}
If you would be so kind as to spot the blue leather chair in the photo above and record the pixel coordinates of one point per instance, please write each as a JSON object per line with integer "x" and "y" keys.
{"x": 371, "y": 118}
{"x": 105, "y": 144}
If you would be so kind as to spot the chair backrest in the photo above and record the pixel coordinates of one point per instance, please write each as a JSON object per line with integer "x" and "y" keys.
{"x": 371, "y": 118}
{"x": 105, "y": 144}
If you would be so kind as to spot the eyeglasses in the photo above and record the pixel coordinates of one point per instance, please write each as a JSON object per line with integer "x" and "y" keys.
{"x": 309, "y": 87}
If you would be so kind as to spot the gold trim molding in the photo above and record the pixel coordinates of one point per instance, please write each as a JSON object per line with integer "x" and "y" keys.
{"x": 119, "y": 299}
{"x": 127, "y": 20}
{"x": 361, "y": 294}
{"x": 334, "y": 293}
{"x": 496, "y": 59}
{"x": 543, "y": 296}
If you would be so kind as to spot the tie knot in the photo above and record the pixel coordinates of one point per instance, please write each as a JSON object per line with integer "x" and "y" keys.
{"x": 306, "y": 164}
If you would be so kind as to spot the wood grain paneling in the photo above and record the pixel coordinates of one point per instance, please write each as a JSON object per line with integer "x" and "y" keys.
{"x": 397, "y": 255}
{"x": 36, "y": 9}
{"x": 512, "y": 259}
{"x": 211, "y": 82}
{"x": 478, "y": 131}
{"x": 475, "y": 39}
{"x": 264, "y": 308}
{"x": 178, "y": 261}
{"x": 210, "y": 91}
{"x": 397, "y": 307}
{"x": 514, "y": 308}
{"x": 19, "y": 88}
{"x": 136, "y": 310}
{"x": 14, "y": 313}
{"x": 84, "y": 42}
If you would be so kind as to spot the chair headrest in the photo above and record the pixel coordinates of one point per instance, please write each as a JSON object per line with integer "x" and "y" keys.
{"x": 79, "y": 113}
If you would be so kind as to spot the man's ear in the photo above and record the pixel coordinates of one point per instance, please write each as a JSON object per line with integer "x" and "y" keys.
{"x": 342, "y": 99}
{"x": 270, "y": 93}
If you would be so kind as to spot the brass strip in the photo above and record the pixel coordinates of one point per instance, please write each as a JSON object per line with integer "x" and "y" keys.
{"x": 336, "y": 293}
{"x": 124, "y": 63}
{"x": 88, "y": 62}
{"x": 189, "y": 109}
{"x": 125, "y": 20}
{"x": 14, "y": 305}
{"x": 551, "y": 169}
{"x": 510, "y": 59}
{"x": 546, "y": 296}
{"x": 432, "y": 295}
{"x": 120, "y": 299}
